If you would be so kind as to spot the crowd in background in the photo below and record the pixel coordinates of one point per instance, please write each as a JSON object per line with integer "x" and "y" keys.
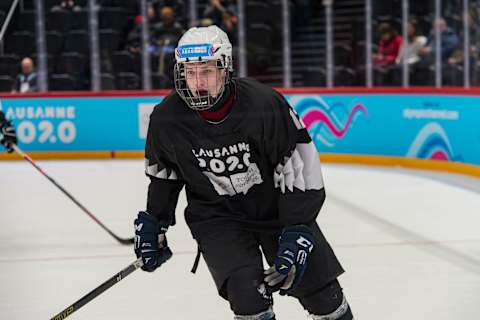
{"x": 168, "y": 19}
{"x": 167, "y": 22}
{"x": 420, "y": 50}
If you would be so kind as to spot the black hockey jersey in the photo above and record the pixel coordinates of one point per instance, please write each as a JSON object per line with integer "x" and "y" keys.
{"x": 258, "y": 168}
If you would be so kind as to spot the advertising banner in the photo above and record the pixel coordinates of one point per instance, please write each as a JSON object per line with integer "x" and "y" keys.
{"x": 80, "y": 124}
{"x": 423, "y": 126}
{"x": 415, "y": 126}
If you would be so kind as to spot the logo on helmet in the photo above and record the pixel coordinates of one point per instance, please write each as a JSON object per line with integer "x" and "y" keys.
{"x": 195, "y": 51}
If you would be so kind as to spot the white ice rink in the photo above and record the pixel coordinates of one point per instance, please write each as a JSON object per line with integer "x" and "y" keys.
{"x": 409, "y": 241}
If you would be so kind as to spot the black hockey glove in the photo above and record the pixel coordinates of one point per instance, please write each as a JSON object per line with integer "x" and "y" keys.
{"x": 7, "y": 133}
{"x": 295, "y": 244}
{"x": 150, "y": 242}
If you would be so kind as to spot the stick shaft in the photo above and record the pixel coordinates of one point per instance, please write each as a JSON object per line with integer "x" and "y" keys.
{"x": 70, "y": 196}
{"x": 98, "y": 290}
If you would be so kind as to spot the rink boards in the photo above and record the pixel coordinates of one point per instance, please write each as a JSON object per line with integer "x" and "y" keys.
{"x": 386, "y": 126}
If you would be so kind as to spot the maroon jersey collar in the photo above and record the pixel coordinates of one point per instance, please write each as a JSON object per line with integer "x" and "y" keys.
{"x": 220, "y": 112}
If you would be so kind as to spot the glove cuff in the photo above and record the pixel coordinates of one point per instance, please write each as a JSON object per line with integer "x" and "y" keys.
{"x": 145, "y": 215}
{"x": 297, "y": 228}
{"x": 161, "y": 227}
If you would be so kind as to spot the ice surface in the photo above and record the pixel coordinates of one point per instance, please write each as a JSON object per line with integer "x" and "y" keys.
{"x": 410, "y": 243}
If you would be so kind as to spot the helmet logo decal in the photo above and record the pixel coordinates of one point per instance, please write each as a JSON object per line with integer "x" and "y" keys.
{"x": 194, "y": 51}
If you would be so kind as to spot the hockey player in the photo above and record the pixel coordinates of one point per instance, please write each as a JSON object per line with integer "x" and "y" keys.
{"x": 253, "y": 184}
{"x": 7, "y": 133}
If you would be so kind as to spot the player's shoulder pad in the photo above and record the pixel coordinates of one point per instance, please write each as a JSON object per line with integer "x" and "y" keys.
{"x": 261, "y": 94}
{"x": 256, "y": 88}
{"x": 166, "y": 109}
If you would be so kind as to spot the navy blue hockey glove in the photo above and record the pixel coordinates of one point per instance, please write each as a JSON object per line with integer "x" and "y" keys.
{"x": 150, "y": 241}
{"x": 7, "y": 133}
{"x": 294, "y": 246}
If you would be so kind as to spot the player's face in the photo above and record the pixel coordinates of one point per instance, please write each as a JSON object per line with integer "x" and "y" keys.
{"x": 204, "y": 78}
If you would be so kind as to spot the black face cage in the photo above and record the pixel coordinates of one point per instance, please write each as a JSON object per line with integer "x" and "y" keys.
{"x": 199, "y": 102}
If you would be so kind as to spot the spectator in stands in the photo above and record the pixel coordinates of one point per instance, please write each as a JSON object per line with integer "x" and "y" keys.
{"x": 453, "y": 70}
{"x": 229, "y": 25}
{"x": 165, "y": 34}
{"x": 216, "y": 9}
{"x": 474, "y": 29}
{"x": 177, "y": 5}
{"x": 410, "y": 52}
{"x": 168, "y": 26}
{"x": 449, "y": 41}
{"x": 223, "y": 16}
{"x": 388, "y": 50}
{"x": 26, "y": 81}
{"x": 389, "y": 46}
{"x": 153, "y": 17}
{"x": 66, "y": 5}
{"x": 134, "y": 38}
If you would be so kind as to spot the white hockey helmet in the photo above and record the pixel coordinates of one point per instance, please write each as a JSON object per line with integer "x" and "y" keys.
{"x": 197, "y": 47}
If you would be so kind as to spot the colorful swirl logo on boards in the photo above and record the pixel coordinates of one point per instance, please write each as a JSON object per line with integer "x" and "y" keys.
{"x": 327, "y": 123}
{"x": 432, "y": 143}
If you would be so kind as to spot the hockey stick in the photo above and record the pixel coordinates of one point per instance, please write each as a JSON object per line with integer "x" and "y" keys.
{"x": 26, "y": 157}
{"x": 98, "y": 290}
